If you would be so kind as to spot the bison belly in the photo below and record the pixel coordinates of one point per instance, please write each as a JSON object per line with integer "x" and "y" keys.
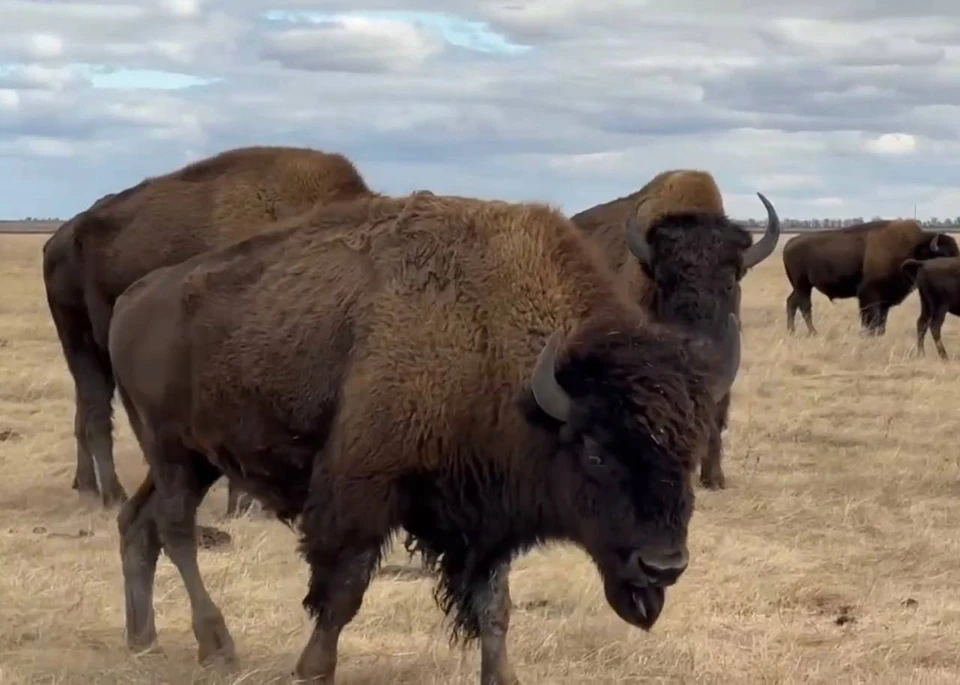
{"x": 836, "y": 281}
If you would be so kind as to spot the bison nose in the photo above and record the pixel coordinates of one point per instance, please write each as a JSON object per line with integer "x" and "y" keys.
{"x": 662, "y": 567}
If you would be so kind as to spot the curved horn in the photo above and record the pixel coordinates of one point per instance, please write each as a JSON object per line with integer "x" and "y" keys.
{"x": 764, "y": 247}
{"x": 553, "y": 399}
{"x": 730, "y": 356}
{"x": 636, "y": 241}
{"x": 935, "y": 243}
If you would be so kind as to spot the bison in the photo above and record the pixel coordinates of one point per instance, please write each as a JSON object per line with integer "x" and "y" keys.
{"x": 938, "y": 285}
{"x": 92, "y": 258}
{"x": 862, "y": 261}
{"x": 465, "y": 369}
{"x": 688, "y": 260}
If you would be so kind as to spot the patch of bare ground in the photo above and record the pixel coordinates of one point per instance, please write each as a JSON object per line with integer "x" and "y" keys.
{"x": 831, "y": 557}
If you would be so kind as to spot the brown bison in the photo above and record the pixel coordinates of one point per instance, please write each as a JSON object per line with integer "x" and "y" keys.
{"x": 938, "y": 285}
{"x": 862, "y": 261}
{"x": 464, "y": 369}
{"x": 688, "y": 260}
{"x": 92, "y": 258}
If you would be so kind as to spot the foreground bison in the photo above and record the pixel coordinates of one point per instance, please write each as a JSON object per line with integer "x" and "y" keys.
{"x": 938, "y": 285}
{"x": 687, "y": 261}
{"x": 464, "y": 369}
{"x": 861, "y": 261}
{"x": 94, "y": 256}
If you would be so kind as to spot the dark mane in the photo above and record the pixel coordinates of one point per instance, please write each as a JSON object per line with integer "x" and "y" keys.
{"x": 683, "y": 261}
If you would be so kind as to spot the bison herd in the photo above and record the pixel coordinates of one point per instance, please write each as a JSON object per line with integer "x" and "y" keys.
{"x": 487, "y": 376}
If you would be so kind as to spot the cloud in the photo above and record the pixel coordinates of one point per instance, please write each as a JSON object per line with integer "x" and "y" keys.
{"x": 893, "y": 144}
{"x": 850, "y": 107}
{"x": 354, "y": 44}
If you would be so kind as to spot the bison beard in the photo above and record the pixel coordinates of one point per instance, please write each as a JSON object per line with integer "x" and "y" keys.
{"x": 369, "y": 352}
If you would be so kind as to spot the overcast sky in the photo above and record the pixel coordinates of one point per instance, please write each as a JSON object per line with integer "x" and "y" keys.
{"x": 849, "y": 109}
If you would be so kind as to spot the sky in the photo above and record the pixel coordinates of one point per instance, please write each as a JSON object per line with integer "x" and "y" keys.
{"x": 832, "y": 109}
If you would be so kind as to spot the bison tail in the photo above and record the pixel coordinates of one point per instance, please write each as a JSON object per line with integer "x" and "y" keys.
{"x": 910, "y": 267}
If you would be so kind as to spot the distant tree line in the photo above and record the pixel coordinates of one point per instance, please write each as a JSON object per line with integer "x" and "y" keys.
{"x": 814, "y": 224}
{"x": 787, "y": 223}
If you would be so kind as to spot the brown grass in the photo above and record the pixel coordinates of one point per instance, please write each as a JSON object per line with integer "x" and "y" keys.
{"x": 831, "y": 558}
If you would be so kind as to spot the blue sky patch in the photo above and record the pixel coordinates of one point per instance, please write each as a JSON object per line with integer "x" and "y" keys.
{"x": 471, "y": 35}
{"x": 138, "y": 79}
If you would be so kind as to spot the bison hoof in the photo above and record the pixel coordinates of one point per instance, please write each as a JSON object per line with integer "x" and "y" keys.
{"x": 114, "y": 497}
{"x": 714, "y": 483}
{"x": 215, "y": 645}
{"x": 145, "y": 643}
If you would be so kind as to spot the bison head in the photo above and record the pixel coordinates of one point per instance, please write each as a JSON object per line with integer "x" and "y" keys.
{"x": 939, "y": 245}
{"x": 633, "y": 415}
{"x": 695, "y": 261}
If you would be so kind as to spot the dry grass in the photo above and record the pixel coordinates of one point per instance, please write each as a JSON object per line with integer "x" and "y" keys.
{"x": 831, "y": 558}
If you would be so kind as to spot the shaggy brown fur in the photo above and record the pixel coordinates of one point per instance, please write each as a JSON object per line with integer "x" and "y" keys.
{"x": 96, "y": 255}
{"x": 695, "y": 258}
{"x": 861, "y": 261}
{"x": 464, "y": 369}
{"x": 938, "y": 285}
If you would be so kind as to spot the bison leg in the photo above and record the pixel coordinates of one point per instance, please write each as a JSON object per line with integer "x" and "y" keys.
{"x": 93, "y": 419}
{"x": 923, "y": 322}
{"x": 335, "y": 596}
{"x": 791, "y": 312}
{"x": 806, "y": 310}
{"x": 344, "y": 527}
{"x": 799, "y": 300}
{"x": 939, "y": 316}
{"x": 873, "y": 313}
{"x": 491, "y": 601}
{"x": 139, "y": 551}
{"x": 882, "y": 312}
{"x": 182, "y": 479}
{"x": 480, "y": 596}
{"x": 711, "y": 472}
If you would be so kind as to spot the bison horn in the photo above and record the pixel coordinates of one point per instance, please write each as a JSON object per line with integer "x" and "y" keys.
{"x": 764, "y": 247}
{"x": 552, "y": 398}
{"x": 730, "y": 355}
{"x": 637, "y": 242}
{"x": 935, "y": 243}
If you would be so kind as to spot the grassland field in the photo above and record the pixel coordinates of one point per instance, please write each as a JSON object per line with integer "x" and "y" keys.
{"x": 833, "y": 556}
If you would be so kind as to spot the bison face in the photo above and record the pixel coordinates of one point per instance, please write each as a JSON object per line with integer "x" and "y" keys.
{"x": 633, "y": 502}
{"x": 695, "y": 265}
{"x": 695, "y": 261}
{"x": 940, "y": 245}
{"x": 634, "y": 415}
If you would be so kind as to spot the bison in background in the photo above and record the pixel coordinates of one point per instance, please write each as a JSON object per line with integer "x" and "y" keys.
{"x": 862, "y": 261}
{"x": 92, "y": 258}
{"x": 465, "y": 369}
{"x": 938, "y": 286}
{"x": 680, "y": 257}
